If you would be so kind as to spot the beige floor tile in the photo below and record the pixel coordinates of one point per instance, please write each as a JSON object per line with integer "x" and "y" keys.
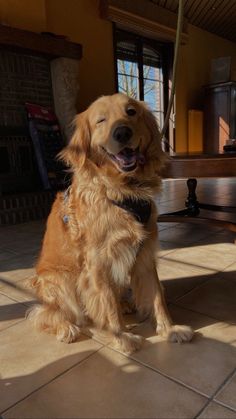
{"x": 21, "y": 239}
{"x": 164, "y": 226}
{"x": 182, "y": 236}
{"x": 24, "y": 245}
{"x": 216, "y": 298}
{"x": 166, "y": 247}
{"x": 18, "y": 267}
{"x": 10, "y": 312}
{"x": 203, "y": 256}
{"x": 17, "y": 291}
{"x": 221, "y": 242}
{"x": 109, "y": 385}
{"x": 5, "y": 254}
{"x": 228, "y": 393}
{"x": 203, "y": 363}
{"x": 230, "y": 272}
{"x": 196, "y": 320}
{"x": 178, "y": 278}
{"x": 216, "y": 411}
{"x": 30, "y": 359}
{"x": 130, "y": 321}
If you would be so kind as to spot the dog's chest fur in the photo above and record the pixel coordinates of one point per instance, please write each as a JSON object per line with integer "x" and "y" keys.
{"x": 114, "y": 235}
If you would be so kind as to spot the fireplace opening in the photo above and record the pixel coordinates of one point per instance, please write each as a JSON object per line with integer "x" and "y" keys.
{"x": 23, "y": 78}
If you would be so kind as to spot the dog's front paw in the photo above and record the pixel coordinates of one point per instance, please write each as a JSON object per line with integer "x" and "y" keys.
{"x": 180, "y": 333}
{"x": 68, "y": 332}
{"x": 128, "y": 342}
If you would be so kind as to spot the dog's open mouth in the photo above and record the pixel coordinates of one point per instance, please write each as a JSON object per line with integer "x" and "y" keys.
{"x": 128, "y": 159}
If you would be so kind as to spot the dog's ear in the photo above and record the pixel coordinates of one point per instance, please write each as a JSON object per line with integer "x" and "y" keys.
{"x": 154, "y": 150}
{"x": 76, "y": 152}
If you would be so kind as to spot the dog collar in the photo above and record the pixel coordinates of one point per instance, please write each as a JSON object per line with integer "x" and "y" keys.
{"x": 139, "y": 208}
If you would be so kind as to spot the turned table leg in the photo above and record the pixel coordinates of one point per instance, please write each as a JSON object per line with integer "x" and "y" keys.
{"x": 191, "y": 201}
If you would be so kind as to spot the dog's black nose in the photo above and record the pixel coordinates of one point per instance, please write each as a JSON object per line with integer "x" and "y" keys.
{"x": 122, "y": 134}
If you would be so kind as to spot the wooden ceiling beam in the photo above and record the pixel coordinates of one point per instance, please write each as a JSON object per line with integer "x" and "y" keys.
{"x": 45, "y": 44}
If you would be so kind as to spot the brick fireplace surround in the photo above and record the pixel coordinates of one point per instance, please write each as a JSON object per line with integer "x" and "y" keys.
{"x": 42, "y": 69}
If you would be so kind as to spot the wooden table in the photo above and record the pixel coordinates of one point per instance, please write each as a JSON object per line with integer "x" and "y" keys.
{"x": 197, "y": 166}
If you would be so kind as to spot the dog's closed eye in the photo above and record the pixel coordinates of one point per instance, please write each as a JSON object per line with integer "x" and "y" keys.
{"x": 100, "y": 120}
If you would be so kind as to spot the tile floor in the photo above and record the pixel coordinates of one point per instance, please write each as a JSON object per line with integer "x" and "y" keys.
{"x": 42, "y": 378}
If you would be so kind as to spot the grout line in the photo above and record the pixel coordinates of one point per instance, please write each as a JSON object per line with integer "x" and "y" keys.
{"x": 23, "y": 302}
{"x": 206, "y": 268}
{"x": 11, "y": 325}
{"x": 226, "y": 382}
{"x": 209, "y": 234}
{"x": 215, "y": 393}
{"x": 202, "y": 409}
{"x": 190, "y": 290}
{"x": 204, "y": 282}
{"x": 157, "y": 371}
{"x": 50, "y": 381}
{"x": 195, "y": 288}
{"x": 224, "y": 405}
{"x": 233, "y": 263}
{"x": 206, "y": 315}
{"x": 196, "y": 312}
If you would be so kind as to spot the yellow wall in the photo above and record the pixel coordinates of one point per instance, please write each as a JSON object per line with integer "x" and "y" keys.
{"x": 80, "y": 21}
{"x": 24, "y": 14}
{"x": 193, "y": 73}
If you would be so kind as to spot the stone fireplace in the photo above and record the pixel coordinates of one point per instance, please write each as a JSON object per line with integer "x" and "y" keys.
{"x": 41, "y": 69}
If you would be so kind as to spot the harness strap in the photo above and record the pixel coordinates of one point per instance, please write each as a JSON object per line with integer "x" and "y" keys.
{"x": 66, "y": 193}
{"x": 139, "y": 208}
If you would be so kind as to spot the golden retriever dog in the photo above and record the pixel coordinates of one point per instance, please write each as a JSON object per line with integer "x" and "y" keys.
{"x": 101, "y": 235}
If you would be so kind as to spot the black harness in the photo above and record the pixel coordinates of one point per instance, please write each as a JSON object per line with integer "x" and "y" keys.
{"x": 139, "y": 208}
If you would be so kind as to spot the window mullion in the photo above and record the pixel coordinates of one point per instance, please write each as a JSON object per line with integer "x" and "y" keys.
{"x": 140, "y": 68}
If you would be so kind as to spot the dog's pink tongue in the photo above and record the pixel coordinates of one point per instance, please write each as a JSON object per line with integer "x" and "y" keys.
{"x": 129, "y": 157}
{"x": 126, "y": 159}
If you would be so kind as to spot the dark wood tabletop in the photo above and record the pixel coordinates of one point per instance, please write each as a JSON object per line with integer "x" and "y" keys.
{"x": 200, "y": 165}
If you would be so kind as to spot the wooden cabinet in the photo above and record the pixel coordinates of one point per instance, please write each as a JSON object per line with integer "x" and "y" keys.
{"x": 219, "y": 116}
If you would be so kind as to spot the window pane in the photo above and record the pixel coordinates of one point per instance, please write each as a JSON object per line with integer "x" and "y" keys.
{"x": 128, "y": 85}
{"x": 160, "y": 118}
{"x": 151, "y": 57}
{"x": 152, "y": 73}
{"x": 153, "y": 81}
{"x": 127, "y": 50}
{"x": 127, "y": 67}
{"x": 153, "y": 94}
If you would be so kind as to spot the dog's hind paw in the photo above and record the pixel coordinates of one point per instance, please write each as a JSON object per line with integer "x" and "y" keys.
{"x": 68, "y": 332}
{"x": 180, "y": 333}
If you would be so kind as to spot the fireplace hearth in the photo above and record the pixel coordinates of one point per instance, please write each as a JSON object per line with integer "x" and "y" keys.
{"x": 23, "y": 78}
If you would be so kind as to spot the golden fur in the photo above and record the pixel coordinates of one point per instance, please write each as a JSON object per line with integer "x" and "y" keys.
{"x": 86, "y": 263}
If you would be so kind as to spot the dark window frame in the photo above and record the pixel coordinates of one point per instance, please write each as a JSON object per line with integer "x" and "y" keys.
{"x": 166, "y": 49}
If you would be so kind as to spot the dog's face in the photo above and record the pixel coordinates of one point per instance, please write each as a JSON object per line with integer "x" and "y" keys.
{"x": 116, "y": 130}
{"x": 119, "y": 130}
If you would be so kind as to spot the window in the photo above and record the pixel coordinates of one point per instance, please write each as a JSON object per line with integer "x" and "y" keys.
{"x": 143, "y": 69}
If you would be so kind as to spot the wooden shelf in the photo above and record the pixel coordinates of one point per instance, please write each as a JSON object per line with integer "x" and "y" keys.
{"x": 45, "y": 44}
